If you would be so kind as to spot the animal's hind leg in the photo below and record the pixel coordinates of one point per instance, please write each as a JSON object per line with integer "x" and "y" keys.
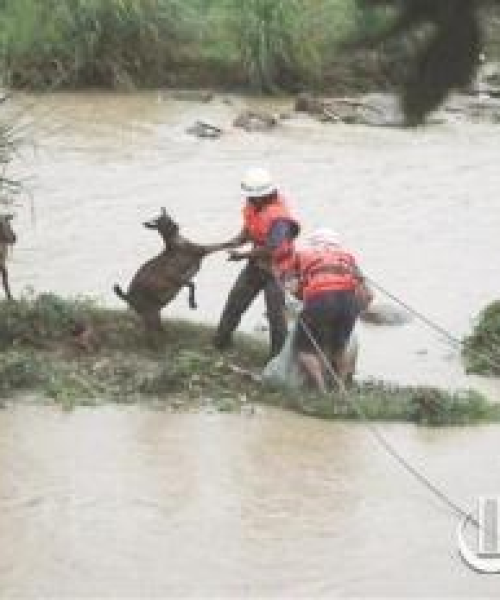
{"x": 154, "y": 329}
{"x": 5, "y": 280}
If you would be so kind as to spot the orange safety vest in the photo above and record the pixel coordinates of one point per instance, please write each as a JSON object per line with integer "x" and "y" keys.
{"x": 325, "y": 271}
{"x": 258, "y": 223}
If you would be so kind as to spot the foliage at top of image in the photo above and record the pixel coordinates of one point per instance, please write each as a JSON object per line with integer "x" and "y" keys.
{"x": 283, "y": 42}
{"x": 266, "y": 44}
{"x": 423, "y": 48}
{"x": 481, "y": 349}
{"x": 446, "y": 57}
{"x": 113, "y": 43}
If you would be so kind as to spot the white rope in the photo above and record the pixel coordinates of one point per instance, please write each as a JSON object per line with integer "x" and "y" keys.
{"x": 377, "y": 434}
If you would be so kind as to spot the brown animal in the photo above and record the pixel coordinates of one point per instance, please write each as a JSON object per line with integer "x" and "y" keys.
{"x": 159, "y": 280}
{"x": 7, "y": 238}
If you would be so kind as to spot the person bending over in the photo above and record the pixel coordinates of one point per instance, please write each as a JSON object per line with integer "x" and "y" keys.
{"x": 331, "y": 286}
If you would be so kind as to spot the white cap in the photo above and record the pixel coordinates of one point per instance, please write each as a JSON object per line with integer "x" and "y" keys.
{"x": 257, "y": 183}
{"x": 323, "y": 238}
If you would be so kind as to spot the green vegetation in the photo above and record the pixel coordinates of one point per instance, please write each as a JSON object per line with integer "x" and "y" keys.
{"x": 282, "y": 42}
{"x": 113, "y": 43}
{"x": 75, "y": 352}
{"x": 481, "y": 350}
{"x": 264, "y": 44}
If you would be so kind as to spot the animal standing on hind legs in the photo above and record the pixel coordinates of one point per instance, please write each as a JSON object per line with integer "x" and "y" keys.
{"x": 7, "y": 239}
{"x": 158, "y": 281}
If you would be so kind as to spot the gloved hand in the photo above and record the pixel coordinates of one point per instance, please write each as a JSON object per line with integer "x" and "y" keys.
{"x": 292, "y": 304}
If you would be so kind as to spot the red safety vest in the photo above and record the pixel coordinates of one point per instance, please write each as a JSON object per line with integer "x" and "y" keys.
{"x": 258, "y": 224}
{"x": 325, "y": 271}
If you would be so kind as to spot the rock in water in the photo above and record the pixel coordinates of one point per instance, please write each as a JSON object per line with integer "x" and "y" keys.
{"x": 252, "y": 120}
{"x": 385, "y": 314}
{"x": 205, "y": 130}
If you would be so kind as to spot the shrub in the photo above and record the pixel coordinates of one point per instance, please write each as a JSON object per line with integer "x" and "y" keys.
{"x": 20, "y": 371}
{"x": 481, "y": 350}
{"x": 281, "y": 43}
{"x": 39, "y": 320}
{"x": 112, "y": 43}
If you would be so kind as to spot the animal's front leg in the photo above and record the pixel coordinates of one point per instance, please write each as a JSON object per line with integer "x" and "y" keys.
{"x": 192, "y": 295}
{"x": 202, "y": 250}
{"x": 5, "y": 280}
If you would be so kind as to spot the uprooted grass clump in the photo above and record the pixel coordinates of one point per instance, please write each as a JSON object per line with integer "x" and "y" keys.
{"x": 481, "y": 349}
{"x": 76, "y": 352}
{"x": 377, "y": 401}
{"x": 48, "y": 321}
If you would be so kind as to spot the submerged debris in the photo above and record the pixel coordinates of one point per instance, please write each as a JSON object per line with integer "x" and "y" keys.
{"x": 252, "y": 120}
{"x": 379, "y": 313}
{"x": 370, "y": 109}
{"x": 205, "y": 130}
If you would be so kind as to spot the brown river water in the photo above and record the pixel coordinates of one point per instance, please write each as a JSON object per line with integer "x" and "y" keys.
{"x": 134, "y": 502}
{"x": 419, "y": 208}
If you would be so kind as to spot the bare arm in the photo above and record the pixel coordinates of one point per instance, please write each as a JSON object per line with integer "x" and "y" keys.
{"x": 280, "y": 232}
{"x": 235, "y": 242}
{"x": 239, "y": 240}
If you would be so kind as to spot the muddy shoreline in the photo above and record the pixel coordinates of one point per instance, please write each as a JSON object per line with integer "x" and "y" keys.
{"x": 106, "y": 359}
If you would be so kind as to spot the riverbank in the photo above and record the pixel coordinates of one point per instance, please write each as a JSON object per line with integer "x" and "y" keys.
{"x": 74, "y": 352}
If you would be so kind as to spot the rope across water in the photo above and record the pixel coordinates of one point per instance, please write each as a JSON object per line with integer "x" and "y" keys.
{"x": 375, "y": 431}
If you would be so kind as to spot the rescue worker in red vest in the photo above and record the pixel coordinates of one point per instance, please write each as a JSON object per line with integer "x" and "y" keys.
{"x": 271, "y": 229}
{"x": 333, "y": 292}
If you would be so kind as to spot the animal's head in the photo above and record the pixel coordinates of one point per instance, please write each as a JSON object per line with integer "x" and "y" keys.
{"x": 7, "y": 235}
{"x": 164, "y": 224}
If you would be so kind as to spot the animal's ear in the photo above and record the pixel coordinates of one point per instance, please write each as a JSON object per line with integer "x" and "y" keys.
{"x": 9, "y": 217}
{"x": 151, "y": 224}
{"x": 163, "y": 211}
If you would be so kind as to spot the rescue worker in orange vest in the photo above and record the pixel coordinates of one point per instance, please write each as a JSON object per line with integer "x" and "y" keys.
{"x": 333, "y": 292}
{"x": 271, "y": 229}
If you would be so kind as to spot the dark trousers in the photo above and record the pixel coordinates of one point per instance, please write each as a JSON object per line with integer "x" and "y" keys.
{"x": 251, "y": 281}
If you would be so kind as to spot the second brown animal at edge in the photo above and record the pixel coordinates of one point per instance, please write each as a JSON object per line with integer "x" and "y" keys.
{"x": 158, "y": 281}
{"x": 7, "y": 239}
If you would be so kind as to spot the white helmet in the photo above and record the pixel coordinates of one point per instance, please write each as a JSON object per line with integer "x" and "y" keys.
{"x": 257, "y": 183}
{"x": 323, "y": 238}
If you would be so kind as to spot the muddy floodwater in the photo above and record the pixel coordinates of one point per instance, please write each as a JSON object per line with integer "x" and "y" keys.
{"x": 130, "y": 502}
{"x": 135, "y": 502}
{"x": 419, "y": 208}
